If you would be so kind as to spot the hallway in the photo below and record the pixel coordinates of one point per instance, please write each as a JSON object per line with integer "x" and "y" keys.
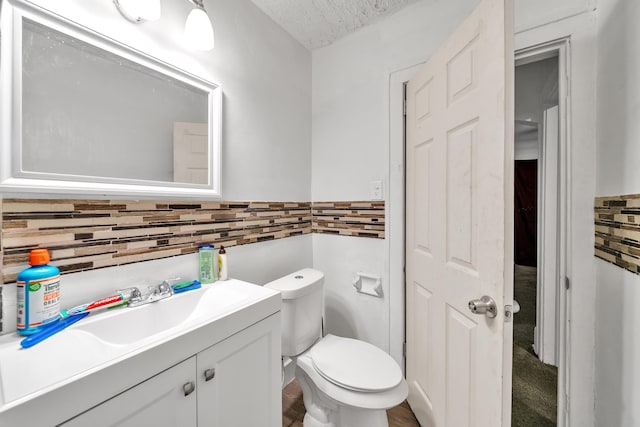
{"x": 534, "y": 396}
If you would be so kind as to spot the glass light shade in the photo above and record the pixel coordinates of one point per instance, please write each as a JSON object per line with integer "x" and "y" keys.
{"x": 198, "y": 31}
{"x": 139, "y": 10}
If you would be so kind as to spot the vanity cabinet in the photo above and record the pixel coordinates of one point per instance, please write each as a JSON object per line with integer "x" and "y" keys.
{"x": 239, "y": 379}
{"x": 236, "y": 382}
{"x": 159, "y": 401}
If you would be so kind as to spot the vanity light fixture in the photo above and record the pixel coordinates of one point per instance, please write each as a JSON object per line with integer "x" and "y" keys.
{"x": 198, "y": 31}
{"x": 139, "y": 10}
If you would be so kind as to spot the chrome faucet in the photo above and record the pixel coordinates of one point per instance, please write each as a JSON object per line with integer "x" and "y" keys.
{"x": 153, "y": 293}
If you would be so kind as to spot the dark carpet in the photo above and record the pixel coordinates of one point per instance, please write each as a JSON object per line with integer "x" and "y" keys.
{"x": 534, "y": 383}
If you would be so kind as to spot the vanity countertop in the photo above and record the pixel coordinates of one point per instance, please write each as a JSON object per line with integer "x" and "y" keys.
{"x": 122, "y": 347}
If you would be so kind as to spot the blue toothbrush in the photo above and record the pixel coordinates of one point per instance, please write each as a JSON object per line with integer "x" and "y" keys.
{"x": 186, "y": 286}
{"x": 61, "y": 324}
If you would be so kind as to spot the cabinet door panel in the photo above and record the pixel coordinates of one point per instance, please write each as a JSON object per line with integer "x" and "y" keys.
{"x": 158, "y": 402}
{"x": 246, "y": 387}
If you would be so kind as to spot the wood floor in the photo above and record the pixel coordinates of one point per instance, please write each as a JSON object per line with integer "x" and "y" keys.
{"x": 293, "y": 410}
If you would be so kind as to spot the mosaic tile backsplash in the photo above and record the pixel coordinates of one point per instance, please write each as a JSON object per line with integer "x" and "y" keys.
{"x": 88, "y": 234}
{"x": 360, "y": 219}
{"x": 617, "y": 223}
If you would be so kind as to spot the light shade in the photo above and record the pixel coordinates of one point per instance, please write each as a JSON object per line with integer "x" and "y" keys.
{"x": 139, "y": 10}
{"x": 198, "y": 31}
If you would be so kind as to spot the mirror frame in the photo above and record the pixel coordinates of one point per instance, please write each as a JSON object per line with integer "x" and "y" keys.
{"x": 13, "y": 179}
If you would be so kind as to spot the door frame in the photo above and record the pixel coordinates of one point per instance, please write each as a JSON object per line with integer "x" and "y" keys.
{"x": 561, "y": 48}
{"x": 396, "y": 209}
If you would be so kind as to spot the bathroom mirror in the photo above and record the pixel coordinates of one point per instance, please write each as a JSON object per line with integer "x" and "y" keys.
{"x": 83, "y": 114}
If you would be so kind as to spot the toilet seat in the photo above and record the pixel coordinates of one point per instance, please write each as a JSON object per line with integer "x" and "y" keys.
{"x": 355, "y": 365}
{"x": 382, "y": 400}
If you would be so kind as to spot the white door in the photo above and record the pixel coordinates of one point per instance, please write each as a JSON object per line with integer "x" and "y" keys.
{"x": 190, "y": 153}
{"x": 459, "y": 162}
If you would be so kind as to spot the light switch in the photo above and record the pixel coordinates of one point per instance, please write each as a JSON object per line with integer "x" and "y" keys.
{"x": 375, "y": 190}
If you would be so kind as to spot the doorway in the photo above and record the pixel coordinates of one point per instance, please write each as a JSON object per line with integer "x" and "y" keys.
{"x": 558, "y": 48}
{"x": 538, "y": 237}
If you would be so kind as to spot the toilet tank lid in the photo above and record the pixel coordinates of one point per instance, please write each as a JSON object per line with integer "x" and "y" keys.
{"x": 298, "y": 284}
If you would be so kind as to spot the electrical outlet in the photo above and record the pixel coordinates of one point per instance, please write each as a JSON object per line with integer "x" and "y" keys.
{"x": 375, "y": 190}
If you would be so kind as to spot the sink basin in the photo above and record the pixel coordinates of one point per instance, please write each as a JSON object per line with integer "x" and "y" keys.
{"x": 105, "y": 340}
{"x": 125, "y": 326}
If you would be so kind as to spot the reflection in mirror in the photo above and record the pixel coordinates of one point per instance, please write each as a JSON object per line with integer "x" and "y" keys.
{"x": 89, "y": 112}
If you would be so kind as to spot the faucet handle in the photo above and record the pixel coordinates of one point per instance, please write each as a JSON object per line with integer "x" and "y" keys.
{"x": 130, "y": 294}
{"x": 164, "y": 288}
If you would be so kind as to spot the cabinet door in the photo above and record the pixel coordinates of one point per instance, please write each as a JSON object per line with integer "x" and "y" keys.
{"x": 161, "y": 401}
{"x": 239, "y": 379}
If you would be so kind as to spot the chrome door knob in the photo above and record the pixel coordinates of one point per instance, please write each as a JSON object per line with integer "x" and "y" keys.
{"x": 485, "y": 305}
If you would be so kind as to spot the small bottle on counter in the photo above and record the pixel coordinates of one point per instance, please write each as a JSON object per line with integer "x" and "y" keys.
{"x": 206, "y": 256}
{"x": 223, "y": 271}
{"x": 38, "y": 294}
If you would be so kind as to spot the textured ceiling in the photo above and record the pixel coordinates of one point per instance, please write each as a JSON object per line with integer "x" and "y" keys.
{"x": 317, "y": 23}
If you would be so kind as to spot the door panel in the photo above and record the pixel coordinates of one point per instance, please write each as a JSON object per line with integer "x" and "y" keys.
{"x": 460, "y": 207}
{"x": 460, "y": 349}
{"x": 458, "y": 110}
{"x": 421, "y": 196}
{"x": 190, "y": 153}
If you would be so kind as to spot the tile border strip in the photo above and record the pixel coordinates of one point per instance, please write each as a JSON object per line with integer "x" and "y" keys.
{"x": 617, "y": 231}
{"x": 88, "y": 234}
{"x": 346, "y": 218}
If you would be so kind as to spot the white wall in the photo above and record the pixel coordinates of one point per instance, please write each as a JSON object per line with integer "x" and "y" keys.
{"x": 533, "y": 13}
{"x": 347, "y": 312}
{"x": 536, "y": 89}
{"x": 618, "y": 291}
{"x": 266, "y": 143}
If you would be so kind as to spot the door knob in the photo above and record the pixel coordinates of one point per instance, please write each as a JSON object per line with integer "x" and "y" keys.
{"x": 516, "y": 307}
{"x": 485, "y": 305}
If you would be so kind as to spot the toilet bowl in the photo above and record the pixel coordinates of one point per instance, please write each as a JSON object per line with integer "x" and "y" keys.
{"x": 345, "y": 382}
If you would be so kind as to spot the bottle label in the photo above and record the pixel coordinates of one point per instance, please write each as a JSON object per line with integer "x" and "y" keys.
{"x": 43, "y": 299}
{"x": 207, "y": 271}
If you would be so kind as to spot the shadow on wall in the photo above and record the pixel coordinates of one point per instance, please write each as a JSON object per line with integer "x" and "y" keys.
{"x": 335, "y": 318}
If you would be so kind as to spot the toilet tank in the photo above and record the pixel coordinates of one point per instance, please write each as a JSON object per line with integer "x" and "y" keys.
{"x": 301, "y": 309}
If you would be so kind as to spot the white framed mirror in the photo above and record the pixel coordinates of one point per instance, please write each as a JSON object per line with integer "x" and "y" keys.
{"x": 82, "y": 114}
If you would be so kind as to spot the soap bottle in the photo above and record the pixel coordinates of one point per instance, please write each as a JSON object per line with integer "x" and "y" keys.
{"x": 223, "y": 272}
{"x": 206, "y": 256}
{"x": 38, "y": 294}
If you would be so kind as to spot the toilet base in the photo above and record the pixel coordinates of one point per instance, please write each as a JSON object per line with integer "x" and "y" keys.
{"x": 348, "y": 418}
{"x": 322, "y": 411}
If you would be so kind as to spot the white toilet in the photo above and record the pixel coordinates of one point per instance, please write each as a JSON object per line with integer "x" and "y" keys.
{"x": 345, "y": 382}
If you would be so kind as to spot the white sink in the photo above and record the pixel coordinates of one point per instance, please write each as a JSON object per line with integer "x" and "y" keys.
{"x": 126, "y": 326}
{"x": 104, "y": 339}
